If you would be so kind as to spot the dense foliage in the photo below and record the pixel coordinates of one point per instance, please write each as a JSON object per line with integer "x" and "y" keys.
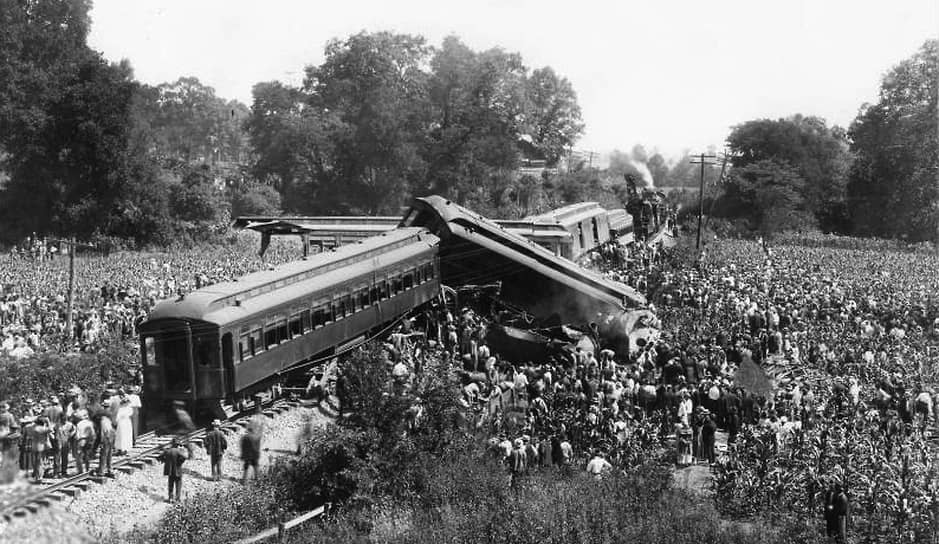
{"x": 387, "y": 116}
{"x": 892, "y": 479}
{"x": 892, "y": 189}
{"x": 86, "y": 150}
{"x": 51, "y": 373}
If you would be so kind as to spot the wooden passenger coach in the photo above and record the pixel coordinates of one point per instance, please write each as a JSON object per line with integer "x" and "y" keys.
{"x": 233, "y": 338}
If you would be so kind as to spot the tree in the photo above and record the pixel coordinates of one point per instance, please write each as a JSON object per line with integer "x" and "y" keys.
{"x": 255, "y": 199}
{"x": 818, "y": 154}
{"x": 476, "y": 106}
{"x": 892, "y": 185}
{"x": 191, "y": 124}
{"x": 553, "y": 113}
{"x": 294, "y": 146}
{"x": 770, "y": 195}
{"x": 73, "y": 148}
{"x": 385, "y": 117}
{"x": 375, "y": 85}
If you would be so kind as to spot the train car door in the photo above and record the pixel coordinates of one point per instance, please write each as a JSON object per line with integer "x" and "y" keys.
{"x": 209, "y": 372}
{"x": 228, "y": 362}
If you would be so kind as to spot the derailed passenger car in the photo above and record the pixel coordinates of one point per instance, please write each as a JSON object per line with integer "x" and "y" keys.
{"x": 474, "y": 249}
{"x": 230, "y": 339}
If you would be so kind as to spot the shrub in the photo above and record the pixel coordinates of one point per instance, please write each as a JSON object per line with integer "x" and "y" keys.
{"x": 222, "y": 516}
{"x": 50, "y": 372}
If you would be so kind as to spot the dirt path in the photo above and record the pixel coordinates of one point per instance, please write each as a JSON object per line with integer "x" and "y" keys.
{"x": 697, "y": 478}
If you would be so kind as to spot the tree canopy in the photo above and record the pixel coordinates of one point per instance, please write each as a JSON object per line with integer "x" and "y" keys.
{"x": 893, "y": 190}
{"x": 86, "y": 150}
{"x": 816, "y": 153}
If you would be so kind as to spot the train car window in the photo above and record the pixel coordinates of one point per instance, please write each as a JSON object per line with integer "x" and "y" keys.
{"x": 347, "y": 305}
{"x": 374, "y": 294}
{"x": 363, "y": 298}
{"x": 257, "y": 341}
{"x": 227, "y": 348}
{"x": 396, "y": 285}
{"x": 355, "y": 303}
{"x": 205, "y": 350}
{"x": 408, "y": 280}
{"x": 244, "y": 346}
{"x": 339, "y": 310}
{"x": 328, "y": 314}
{"x": 319, "y": 318}
{"x": 296, "y": 327}
{"x": 305, "y": 321}
{"x": 149, "y": 348}
{"x": 383, "y": 289}
{"x": 282, "y": 331}
{"x": 270, "y": 337}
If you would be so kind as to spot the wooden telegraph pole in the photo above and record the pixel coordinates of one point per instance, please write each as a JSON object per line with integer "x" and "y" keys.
{"x": 72, "y": 248}
{"x": 71, "y": 286}
{"x": 701, "y": 159}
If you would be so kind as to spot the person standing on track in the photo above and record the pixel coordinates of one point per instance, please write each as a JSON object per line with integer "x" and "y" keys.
{"x": 173, "y": 459}
{"x": 106, "y": 436}
{"x": 39, "y": 440}
{"x": 65, "y": 439}
{"x": 124, "y": 440}
{"x": 215, "y": 446}
{"x": 84, "y": 440}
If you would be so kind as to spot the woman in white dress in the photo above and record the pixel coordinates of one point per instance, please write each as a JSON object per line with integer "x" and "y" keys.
{"x": 124, "y": 440}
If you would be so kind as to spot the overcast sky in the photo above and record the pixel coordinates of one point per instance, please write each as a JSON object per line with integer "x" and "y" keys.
{"x": 671, "y": 75}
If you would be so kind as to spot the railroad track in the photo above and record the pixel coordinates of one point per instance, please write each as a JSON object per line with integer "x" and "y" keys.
{"x": 145, "y": 452}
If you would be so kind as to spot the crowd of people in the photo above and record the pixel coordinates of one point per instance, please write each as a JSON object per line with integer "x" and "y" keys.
{"x": 778, "y": 339}
{"x": 112, "y": 293}
{"x": 65, "y": 434}
{"x": 41, "y": 440}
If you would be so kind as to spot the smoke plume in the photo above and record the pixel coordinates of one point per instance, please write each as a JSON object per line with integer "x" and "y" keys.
{"x": 643, "y": 171}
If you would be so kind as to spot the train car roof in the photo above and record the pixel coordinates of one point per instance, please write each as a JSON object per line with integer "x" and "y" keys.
{"x": 571, "y": 214}
{"x": 619, "y": 218}
{"x": 463, "y": 223}
{"x": 290, "y": 280}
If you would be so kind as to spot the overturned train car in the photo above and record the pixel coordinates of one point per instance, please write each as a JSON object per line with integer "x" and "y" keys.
{"x": 476, "y": 250}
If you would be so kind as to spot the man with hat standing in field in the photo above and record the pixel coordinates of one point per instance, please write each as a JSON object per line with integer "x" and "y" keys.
{"x": 173, "y": 459}
{"x": 215, "y": 446}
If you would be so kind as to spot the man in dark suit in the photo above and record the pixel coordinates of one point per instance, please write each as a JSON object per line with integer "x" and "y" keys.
{"x": 173, "y": 459}
{"x": 215, "y": 446}
{"x": 836, "y": 514}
